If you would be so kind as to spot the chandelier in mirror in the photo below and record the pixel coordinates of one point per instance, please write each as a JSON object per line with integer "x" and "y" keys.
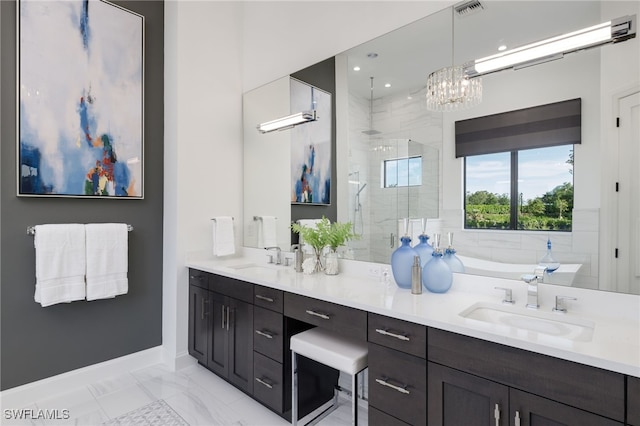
{"x": 450, "y": 89}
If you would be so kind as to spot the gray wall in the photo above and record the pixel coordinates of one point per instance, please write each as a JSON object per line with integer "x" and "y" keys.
{"x": 323, "y": 76}
{"x": 37, "y": 342}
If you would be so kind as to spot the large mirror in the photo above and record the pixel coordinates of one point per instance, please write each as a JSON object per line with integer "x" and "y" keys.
{"x": 396, "y": 159}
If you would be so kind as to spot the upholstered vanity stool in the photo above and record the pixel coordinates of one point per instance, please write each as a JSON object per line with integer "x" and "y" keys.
{"x": 332, "y": 350}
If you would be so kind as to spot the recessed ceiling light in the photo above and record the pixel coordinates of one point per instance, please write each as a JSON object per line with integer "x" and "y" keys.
{"x": 356, "y": 68}
{"x": 502, "y": 47}
{"x": 387, "y": 85}
{"x": 409, "y": 97}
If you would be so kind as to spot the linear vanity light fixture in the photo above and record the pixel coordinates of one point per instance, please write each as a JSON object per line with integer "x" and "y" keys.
{"x": 288, "y": 121}
{"x": 614, "y": 31}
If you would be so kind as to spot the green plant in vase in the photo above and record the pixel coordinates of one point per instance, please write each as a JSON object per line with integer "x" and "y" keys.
{"x": 325, "y": 234}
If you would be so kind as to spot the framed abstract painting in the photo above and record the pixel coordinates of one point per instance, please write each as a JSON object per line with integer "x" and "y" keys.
{"x": 80, "y": 98}
{"x": 311, "y": 146}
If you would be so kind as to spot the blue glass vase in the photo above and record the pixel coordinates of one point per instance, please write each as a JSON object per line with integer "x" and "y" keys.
{"x": 548, "y": 261}
{"x": 454, "y": 262}
{"x": 401, "y": 263}
{"x": 424, "y": 249}
{"x": 436, "y": 274}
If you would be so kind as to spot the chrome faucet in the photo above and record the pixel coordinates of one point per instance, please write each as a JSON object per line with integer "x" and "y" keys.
{"x": 278, "y": 256}
{"x": 532, "y": 286}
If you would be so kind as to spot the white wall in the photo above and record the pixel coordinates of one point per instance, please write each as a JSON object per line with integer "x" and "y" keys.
{"x": 215, "y": 51}
{"x": 203, "y": 143}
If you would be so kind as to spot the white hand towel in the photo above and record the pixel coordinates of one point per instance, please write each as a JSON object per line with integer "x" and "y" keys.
{"x": 267, "y": 234}
{"x": 223, "y": 239}
{"x": 60, "y": 263}
{"x": 107, "y": 260}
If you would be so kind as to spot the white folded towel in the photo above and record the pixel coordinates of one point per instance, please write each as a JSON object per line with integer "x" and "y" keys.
{"x": 107, "y": 260}
{"x": 60, "y": 263}
{"x": 223, "y": 239}
{"x": 267, "y": 233}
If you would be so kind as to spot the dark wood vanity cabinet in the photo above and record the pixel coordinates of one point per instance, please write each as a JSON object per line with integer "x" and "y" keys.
{"x": 468, "y": 375}
{"x": 221, "y": 326}
{"x": 633, "y": 401}
{"x": 397, "y": 371}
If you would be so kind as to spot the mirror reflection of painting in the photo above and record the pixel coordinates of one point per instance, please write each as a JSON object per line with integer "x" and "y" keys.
{"x": 311, "y": 146}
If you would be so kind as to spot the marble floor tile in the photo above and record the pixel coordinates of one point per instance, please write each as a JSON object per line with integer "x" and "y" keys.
{"x": 124, "y": 400}
{"x": 251, "y": 412}
{"x": 112, "y": 384}
{"x": 198, "y": 407}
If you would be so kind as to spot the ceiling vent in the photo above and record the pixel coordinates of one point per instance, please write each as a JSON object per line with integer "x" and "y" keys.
{"x": 468, "y": 7}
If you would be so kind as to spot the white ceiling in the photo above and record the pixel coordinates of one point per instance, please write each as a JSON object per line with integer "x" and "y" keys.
{"x": 407, "y": 55}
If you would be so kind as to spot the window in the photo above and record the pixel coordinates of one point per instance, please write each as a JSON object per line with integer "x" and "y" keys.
{"x": 402, "y": 172}
{"x": 526, "y": 189}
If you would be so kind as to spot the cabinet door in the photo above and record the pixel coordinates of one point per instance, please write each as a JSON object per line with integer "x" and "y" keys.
{"x": 218, "y": 342}
{"x": 531, "y": 410}
{"x": 457, "y": 398}
{"x": 240, "y": 333}
{"x": 198, "y": 323}
{"x": 633, "y": 401}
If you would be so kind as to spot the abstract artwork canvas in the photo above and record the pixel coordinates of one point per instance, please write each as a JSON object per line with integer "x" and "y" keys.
{"x": 80, "y": 99}
{"x": 311, "y": 146}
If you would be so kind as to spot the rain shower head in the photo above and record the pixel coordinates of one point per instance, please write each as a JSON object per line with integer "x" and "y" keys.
{"x": 371, "y": 131}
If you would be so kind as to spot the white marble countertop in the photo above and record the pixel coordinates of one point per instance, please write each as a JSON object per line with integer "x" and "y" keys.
{"x": 614, "y": 344}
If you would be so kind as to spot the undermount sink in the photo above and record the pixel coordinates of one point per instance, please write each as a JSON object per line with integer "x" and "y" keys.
{"x": 547, "y": 323}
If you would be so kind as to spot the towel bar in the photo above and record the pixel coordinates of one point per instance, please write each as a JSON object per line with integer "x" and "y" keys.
{"x": 214, "y": 218}
{"x": 31, "y": 230}
{"x": 260, "y": 218}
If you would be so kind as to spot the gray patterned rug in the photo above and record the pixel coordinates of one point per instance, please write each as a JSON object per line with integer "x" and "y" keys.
{"x": 158, "y": 413}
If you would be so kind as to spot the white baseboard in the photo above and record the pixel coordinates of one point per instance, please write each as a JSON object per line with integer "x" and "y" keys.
{"x": 178, "y": 362}
{"x": 21, "y": 396}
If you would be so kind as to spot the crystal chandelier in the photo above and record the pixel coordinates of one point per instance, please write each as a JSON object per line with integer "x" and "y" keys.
{"x": 450, "y": 89}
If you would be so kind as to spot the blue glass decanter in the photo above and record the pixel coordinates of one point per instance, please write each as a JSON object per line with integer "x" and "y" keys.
{"x": 402, "y": 260}
{"x": 436, "y": 274}
{"x": 423, "y": 248}
{"x": 548, "y": 261}
{"x": 450, "y": 257}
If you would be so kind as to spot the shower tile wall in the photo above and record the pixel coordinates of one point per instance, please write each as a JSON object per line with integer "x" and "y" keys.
{"x": 398, "y": 119}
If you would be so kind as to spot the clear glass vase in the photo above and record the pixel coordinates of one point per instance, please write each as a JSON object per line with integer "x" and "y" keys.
{"x": 548, "y": 260}
{"x": 331, "y": 263}
{"x": 436, "y": 274}
{"x": 402, "y": 261}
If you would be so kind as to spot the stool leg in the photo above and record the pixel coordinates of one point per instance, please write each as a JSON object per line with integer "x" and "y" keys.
{"x": 354, "y": 399}
{"x": 294, "y": 390}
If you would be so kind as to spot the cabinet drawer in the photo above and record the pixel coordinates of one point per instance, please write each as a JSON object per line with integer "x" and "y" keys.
{"x": 397, "y": 334}
{"x": 398, "y": 384}
{"x": 237, "y": 289}
{"x": 380, "y": 418}
{"x": 268, "y": 335}
{"x": 199, "y": 278}
{"x": 268, "y": 387}
{"x": 633, "y": 401}
{"x": 269, "y": 298}
{"x": 341, "y": 319}
{"x": 578, "y": 385}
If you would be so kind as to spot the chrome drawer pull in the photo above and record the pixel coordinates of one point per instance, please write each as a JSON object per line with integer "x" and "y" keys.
{"x": 263, "y": 334}
{"x": 401, "y": 389}
{"x": 265, "y": 298}
{"x": 196, "y": 277}
{"x": 397, "y": 336}
{"x": 262, "y": 382}
{"x": 316, "y": 314}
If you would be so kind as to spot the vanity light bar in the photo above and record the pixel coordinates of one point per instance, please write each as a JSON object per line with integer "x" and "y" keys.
{"x": 614, "y": 31}
{"x": 288, "y": 121}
